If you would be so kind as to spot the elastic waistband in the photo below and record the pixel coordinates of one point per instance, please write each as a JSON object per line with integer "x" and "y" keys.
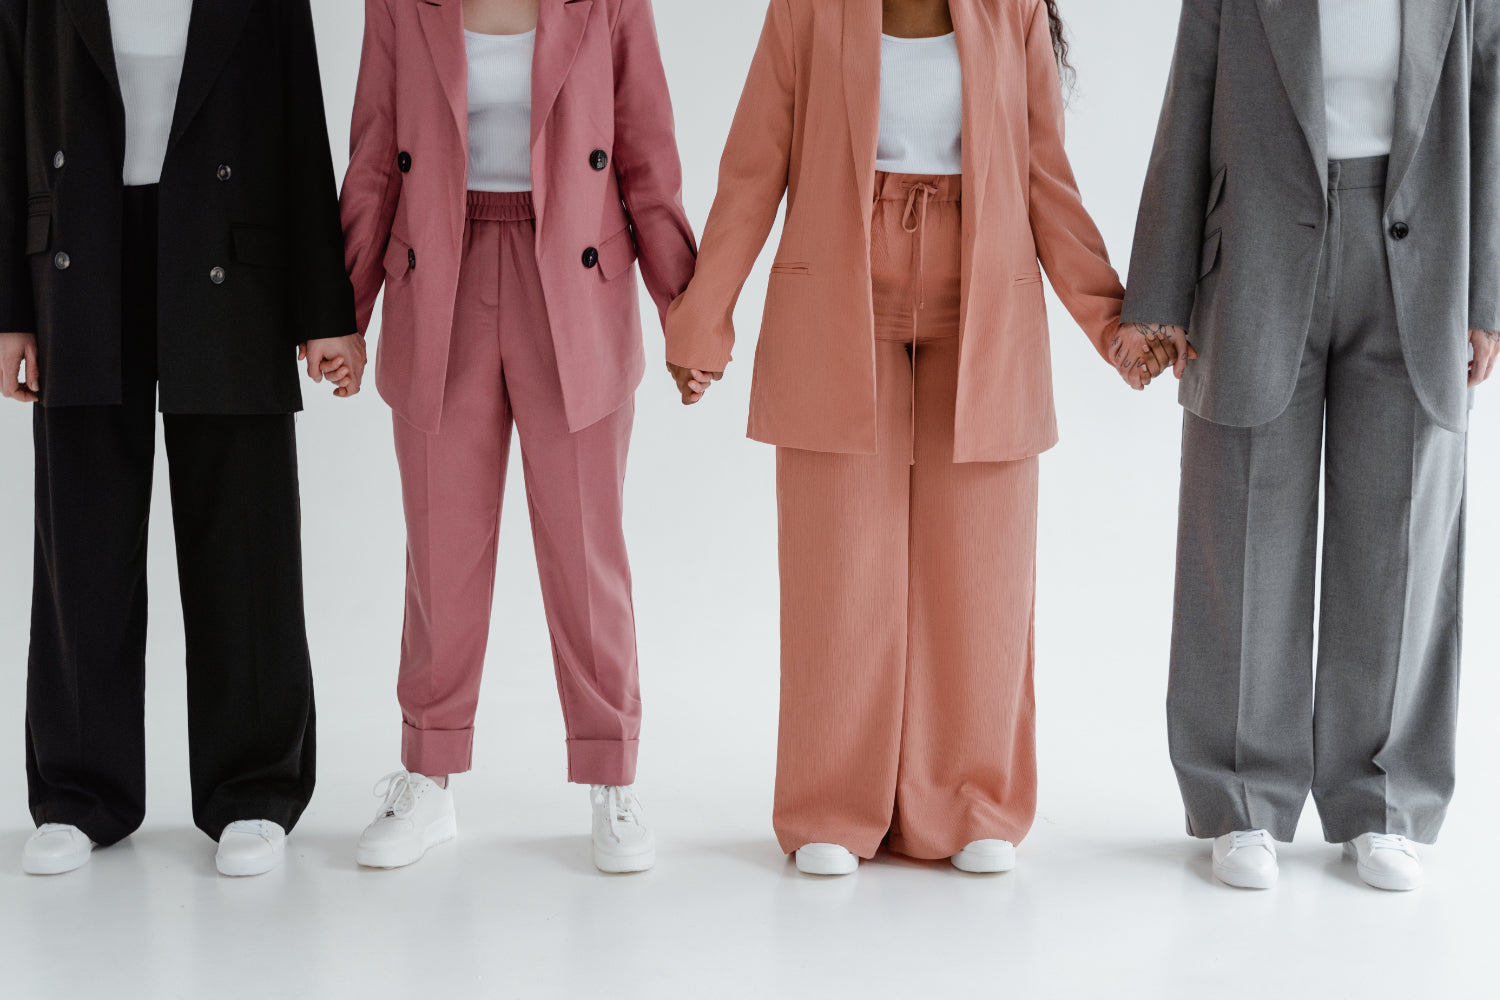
{"x": 1351, "y": 175}
{"x": 894, "y": 187}
{"x": 501, "y": 206}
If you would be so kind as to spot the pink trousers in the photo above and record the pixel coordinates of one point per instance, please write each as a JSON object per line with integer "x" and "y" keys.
{"x": 502, "y": 369}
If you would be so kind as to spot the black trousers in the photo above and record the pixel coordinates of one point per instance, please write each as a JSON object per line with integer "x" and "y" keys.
{"x": 236, "y": 515}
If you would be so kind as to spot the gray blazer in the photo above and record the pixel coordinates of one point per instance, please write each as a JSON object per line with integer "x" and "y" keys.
{"x": 1233, "y": 219}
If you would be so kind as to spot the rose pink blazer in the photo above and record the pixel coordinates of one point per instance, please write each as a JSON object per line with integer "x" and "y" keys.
{"x": 807, "y": 127}
{"x": 607, "y": 186}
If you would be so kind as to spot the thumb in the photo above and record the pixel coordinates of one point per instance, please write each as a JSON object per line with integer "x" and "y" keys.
{"x": 33, "y": 377}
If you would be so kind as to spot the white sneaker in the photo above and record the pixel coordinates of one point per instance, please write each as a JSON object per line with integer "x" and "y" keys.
{"x": 622, "y": 840}
{"x": 826, "y": 859}
{"x": 250, "y": 847}
{"x": 56, "y": 848}
{"x": 1386, "y": 861}
{"x": 416, "y": 815}
{"x": 1246, "y": 859}
{"x": 986, "y": 857}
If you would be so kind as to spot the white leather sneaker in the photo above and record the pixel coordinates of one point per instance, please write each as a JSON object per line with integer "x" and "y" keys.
{"x": 415, "y": 816}
{"x": 1246, "y": 859}
{"x": 1386, "y": 861}
{"x": 826, "y": 859}
{"x": 56, "y": 848}
{"x": 986, "y": 857}
{"x": 622, "y": 840}
{"x": 250, "y": 847}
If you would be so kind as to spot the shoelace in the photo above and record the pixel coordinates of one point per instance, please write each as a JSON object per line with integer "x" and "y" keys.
{"x": 1248, "y": 838}
{"x": 1392, "y": 842}
{"x": 621, "y": 805}
{"x": 399, "y": 794}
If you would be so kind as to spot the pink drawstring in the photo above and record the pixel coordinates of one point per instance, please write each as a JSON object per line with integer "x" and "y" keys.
{"x": 914, "y": 221}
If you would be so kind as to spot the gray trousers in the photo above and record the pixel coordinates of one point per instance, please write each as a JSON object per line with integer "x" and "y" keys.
{"x": 1251, "y": 728}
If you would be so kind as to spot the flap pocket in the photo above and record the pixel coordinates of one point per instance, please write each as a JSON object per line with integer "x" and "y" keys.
{"x": 38, "y": 231}
{"x": 616, "y": 254}
{"x": 1029, "y": 278}
{"x": 399, "y": 257}
{"x": 1210, "y": 257}
{"x": 262, "y": 246}
{"x": 1215, "y": 192}
{"x": 790, "y": 268}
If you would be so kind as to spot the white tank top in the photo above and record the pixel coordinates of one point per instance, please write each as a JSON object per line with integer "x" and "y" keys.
{"x": 150, "y": 38}
{"x": 921, "y": 106}
{"x": 500, "y": 110}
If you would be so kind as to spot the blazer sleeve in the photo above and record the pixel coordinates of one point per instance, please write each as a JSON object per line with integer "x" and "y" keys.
{"x": 1169, "y": 228}
{"x": 324, "y": 301}
{"x": 373, "y": 182}
{"x": 1067, "y": 241}
{"x": 1484, "y": 275}
{"x": 646, "y": 161}
{"x": 17, "y": 311}
{"x": 753, "y": 176}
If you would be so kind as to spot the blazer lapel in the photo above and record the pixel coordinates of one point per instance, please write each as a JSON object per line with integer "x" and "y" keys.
{"x": 977, "y": 37}
{"x": 559, "y": 32}
{"x": 1294, "y": 30}
{"x": 443, "y": 27}
{"x": 212, "y": 33}
{"x": 91, "y": 17}
{"x": 1427, "y": 27}
{"x": 862, "y": 23}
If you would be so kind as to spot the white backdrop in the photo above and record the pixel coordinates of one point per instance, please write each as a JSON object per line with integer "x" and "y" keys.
{"x": 1107, "y": 869}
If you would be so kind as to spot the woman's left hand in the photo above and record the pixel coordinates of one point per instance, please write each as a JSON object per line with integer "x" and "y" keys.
{"x": 1486, "y": 344}
{"x": 337, "y": 360}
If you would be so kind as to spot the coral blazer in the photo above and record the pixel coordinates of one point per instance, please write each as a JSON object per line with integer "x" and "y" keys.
{"x": 607, "y": 188}
{"x": 807, "y": 127}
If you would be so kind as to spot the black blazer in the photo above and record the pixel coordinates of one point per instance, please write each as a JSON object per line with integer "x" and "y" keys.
{"x": 250, "y": 258}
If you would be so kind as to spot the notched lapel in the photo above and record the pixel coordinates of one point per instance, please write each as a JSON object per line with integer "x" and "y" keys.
{"x": 861, "y": 57}
{"x": 1426, "y": 29}
{"x": 443, "y": 27}
{"x": 978, "y": 40}
{"x": 1295, "y": 33}
{"x": 214, "y": 29}
{"x": 91, "y": 18}
{"x": 559, "y": 32}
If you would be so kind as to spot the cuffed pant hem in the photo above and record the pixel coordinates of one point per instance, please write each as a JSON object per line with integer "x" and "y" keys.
{"x": 436, "y": 752}
{"x": 602, "y": 762}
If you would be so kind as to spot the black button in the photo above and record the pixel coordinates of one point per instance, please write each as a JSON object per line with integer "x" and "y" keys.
{"x": 224, "y": 173}
{"x": 62, "y": 261}
{"x": 1400, "y": 231}
{"x": 598, "y": 159}
{"x": 411, "y": 259}
{"x": 403, "y": 161}
{"x": 591, "y": 257}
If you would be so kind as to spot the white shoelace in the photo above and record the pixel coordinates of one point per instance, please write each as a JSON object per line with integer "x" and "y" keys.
{"x": 621, "y": 804}
{"x": 399, "y": 793}
{"x": 1248, "y": 838}
{"x": 1392, "y": 842}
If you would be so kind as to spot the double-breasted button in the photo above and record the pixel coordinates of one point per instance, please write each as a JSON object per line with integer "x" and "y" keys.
{"x": 411, "y": 259}
{"x": 216, "y": 276}
{"x": 224, "y": 172}
{"x": 58, "y": 160}
{"x": 598, "y": 159}
{"x": 403, "y": 162}
{"x": 62, "y": 261}
{"x": 1400, "y": 231}
{"x": 591, "y": 257}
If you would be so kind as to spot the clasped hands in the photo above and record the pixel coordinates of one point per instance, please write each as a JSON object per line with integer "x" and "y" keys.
{"x": 1142, "y": 351}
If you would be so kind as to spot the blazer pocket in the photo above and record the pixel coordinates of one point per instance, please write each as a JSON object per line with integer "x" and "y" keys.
{"x": 260, "y": 246}
{"x": 1028, "y": 278}
{"x": 399, "y": 257}
{"x": 790, "y": 268}
{"x": 1215, "y": 192}
{"x": 38, "y": 231}
{"x": 1210, "y": 258}
{"x": 616, "y": 254}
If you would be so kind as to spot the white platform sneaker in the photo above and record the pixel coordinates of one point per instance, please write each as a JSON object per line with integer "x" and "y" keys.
{"x": 415, "y": 815}
{"x": 56, "y": 848}
{"x": 1386, "y": 861}
{"x": 826, "y": 859}
{"x": 622, "y": 840}
{"x": 1246, "y": 859}
{"x": 986, "y": 857}
{"x": 250, "y": 847}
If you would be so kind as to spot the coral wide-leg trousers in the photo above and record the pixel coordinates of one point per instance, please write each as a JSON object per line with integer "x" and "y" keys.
{"x": 907, "y": 590}
{"x": 502, "y": 369}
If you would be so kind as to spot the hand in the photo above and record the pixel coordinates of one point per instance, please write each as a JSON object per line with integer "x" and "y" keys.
{"x": 340, "y": 360}
{"x": 1486, "y": 344}
{"x": 691, "y": 382}
{"x": 17, "y": 349}
{"x": 1133, "y": 357}
{"x": 1167, "y": 346}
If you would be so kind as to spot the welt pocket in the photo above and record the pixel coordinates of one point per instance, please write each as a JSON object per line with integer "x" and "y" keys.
{"x": 38, "y": 231}
{"x": 1028, "y": 278}
{"x": 1210, "y": 257}
{"x": 399, "y": 257}
{"x": 790, "y": 267}
{"x": 1215, "y": 191}
{"x": 260, "y": 246}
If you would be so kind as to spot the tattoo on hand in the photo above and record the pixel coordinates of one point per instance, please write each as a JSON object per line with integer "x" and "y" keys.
{"x": 1493, "y": 336}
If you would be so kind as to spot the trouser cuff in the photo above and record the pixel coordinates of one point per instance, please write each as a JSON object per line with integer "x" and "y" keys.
{"x": 436, "y": 752}
{"x": 602, "y": 762}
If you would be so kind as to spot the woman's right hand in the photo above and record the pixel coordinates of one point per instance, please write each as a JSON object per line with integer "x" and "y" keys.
{"x": 691, "y": 382}
{"x": 17, "y": 349}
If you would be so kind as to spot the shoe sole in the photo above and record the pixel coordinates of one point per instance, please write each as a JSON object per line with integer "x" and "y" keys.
{"x": 249, "y": 869}
{"x": 984, "y": 866}
{"x": 625, "y": 864}
{"x": 1380, "y": 880}
{"x": 1244, "y": 880}
{"x": 53, "y": 866}
{"x": 829, "y": 868}
{"x": 388, "y": 858}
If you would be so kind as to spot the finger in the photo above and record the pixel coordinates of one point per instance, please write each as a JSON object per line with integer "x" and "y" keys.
{"x": 1153, "y": 363}
{"x": 335, "y": 362}
{"x": 8, "y": 381}
{"x": 33, "y": 376}
{"x": 301, "y": 351}
{"x": 1164, "y": 351}
{"x": 314, "y": 372}
{"x": 717, "y": 376}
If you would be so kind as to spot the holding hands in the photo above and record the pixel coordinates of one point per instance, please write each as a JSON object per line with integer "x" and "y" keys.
{"x": 1486, "y": 344}
{"x": 18, "y": 350}
{"x": 340, "y": 360}
{"x": 1142, "y": 351}
{"x": 691, "y": 382}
